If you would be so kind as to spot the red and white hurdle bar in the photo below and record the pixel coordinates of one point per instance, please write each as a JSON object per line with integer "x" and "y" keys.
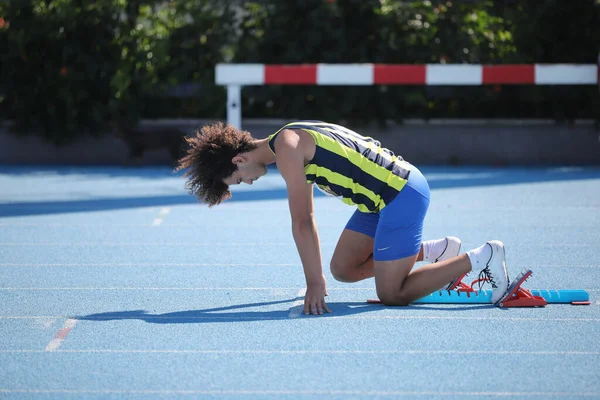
{"x": 234, "y": 76}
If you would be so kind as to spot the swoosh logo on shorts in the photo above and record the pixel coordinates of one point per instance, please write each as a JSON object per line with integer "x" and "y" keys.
{"x": 383, "y": 248}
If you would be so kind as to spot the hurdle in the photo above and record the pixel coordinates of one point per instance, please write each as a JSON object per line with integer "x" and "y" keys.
{"x": 235, "y": 76}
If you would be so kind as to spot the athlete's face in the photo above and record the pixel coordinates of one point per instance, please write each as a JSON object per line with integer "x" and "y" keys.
{"x": 247, "y": 172}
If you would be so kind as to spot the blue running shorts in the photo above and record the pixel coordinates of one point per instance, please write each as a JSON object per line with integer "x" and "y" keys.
{"x": 398, "y": 228}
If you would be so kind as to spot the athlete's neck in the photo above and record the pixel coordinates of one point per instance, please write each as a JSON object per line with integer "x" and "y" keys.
{"x": 263, "y": 153}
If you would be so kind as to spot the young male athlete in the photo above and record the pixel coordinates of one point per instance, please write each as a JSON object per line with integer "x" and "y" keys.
{"x": 383, "y": 237}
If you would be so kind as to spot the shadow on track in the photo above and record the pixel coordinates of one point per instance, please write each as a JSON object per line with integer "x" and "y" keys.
{"x": 226, "y": 314}
{"x": 438, "y": 177}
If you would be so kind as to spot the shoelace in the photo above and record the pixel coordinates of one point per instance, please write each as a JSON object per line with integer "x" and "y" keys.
{"x": 484, "y": 276}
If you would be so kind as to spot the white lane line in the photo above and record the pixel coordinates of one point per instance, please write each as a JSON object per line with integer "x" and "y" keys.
{"x": 161, "y": 216}
{"x": 391, "y": 393}
{"x": 61, "y": 335}
{"x": 329, "y": 351}
{"x": 172, "y": 225}
{"x": 196, "y": 244}
{"x": 198, "y": 288}
{"x": 158, "y": 221}
{"x": 297, "y": 307}
{"x": 327, "y": 317}
{"x": 350, "y": 289}
{"x": 165, "y": 264}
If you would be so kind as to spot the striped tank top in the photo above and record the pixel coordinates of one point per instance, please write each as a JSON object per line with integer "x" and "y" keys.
{"x": 350, "y": 166}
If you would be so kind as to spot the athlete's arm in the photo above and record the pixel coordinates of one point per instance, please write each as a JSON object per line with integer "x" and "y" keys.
{"x": 290, "y": 162}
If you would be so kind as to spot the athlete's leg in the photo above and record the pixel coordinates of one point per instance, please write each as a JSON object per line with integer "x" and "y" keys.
{"x": 398, "y": 247}
{"x": 398, "y": 284}
{"x": 352, "y": 259}
{"x": 396, "y": 281}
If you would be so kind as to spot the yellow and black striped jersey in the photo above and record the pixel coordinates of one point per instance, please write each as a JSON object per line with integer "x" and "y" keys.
{"x": 351, "y": 166}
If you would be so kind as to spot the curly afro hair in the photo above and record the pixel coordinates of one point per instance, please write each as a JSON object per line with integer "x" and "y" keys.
{"x": 208, "y": 160}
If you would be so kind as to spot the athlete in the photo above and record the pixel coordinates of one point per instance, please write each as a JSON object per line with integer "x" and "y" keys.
{"x": 382, "y": 239}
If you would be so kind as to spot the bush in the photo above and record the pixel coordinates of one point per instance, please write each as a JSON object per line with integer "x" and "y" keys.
{"x": 416, "y": 32}
{"x": 74, "y": 66}
{"x": 57, "y": 66}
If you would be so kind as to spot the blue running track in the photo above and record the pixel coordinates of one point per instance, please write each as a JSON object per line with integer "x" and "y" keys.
{"x": 115, "y": 283}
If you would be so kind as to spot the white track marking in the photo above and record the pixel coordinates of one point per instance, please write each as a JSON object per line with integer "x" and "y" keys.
{"x": 482, "y": 318}
{"x": 161, "y": 216}
{"x": 61, "y": 335}
{"x": 297, "y": 307}
{"x": 131, "y": 225}
{"x": 158, "y": 221}
{"x": 165, "y": 264}
{"x": 391, "y": 393}
{"x": 47, "y": 323}
{"x": 351, "y": 289}
{"x": 179, "y": 244}
{"x": 43, "y": 323}
{"x": 328, "y": 351}
{"x": 332, "y": 318}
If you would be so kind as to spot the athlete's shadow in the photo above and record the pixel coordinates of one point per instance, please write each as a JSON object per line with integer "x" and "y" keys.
{"x": 228, "y": 314}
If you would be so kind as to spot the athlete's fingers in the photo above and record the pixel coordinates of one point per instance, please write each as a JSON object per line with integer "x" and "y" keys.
{"x": 325, "y": 307}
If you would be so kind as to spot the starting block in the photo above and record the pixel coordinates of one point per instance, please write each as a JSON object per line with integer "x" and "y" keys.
{"x": 516, "y": 296}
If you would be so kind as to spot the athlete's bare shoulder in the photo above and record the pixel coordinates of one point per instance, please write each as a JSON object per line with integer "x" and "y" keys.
{"x": 296, "y": 140}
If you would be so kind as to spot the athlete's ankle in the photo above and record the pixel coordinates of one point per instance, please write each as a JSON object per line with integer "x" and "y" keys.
{"x": 479, "y": 257}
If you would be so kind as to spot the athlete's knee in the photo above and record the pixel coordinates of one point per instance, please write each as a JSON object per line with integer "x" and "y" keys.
{"x": 340, "y": 271}
{"x": 392, "y": 297}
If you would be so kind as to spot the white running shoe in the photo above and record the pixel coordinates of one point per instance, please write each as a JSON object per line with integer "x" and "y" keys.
{"x": 452, "y": 249}
{"x": 495, "y": 270}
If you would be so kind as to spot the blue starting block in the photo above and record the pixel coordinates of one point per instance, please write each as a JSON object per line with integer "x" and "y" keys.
{"x": 485, "y": 297}
{"x": 516, "y": 296}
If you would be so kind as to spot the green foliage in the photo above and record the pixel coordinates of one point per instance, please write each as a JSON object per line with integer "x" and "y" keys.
{"x": 416, "y": 32}
{"x": 200, "y": 37}
{"x": 57, "y": 65}
{"x": 73, "y": 66}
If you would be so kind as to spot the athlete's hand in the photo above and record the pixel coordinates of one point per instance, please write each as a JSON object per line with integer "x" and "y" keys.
{"x": 314, "y": 300}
